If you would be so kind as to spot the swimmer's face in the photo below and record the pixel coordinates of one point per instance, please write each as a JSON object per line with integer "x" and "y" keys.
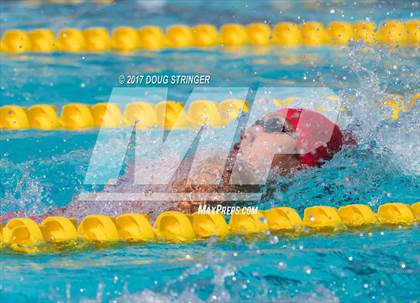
{"x": 268, "y": 143}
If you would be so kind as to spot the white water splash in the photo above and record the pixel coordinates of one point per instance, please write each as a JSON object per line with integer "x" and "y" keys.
{"x": 398, "y": 140}
{"x": 402, "y": 140}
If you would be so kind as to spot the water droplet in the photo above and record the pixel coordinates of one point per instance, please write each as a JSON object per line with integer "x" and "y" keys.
{"x": 382, "y": 283}
{"x": 282, "y": 265}
{"x": 274, "y": 239}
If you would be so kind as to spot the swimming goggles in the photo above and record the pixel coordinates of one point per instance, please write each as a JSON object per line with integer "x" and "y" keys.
{"x": 273, "y": 125}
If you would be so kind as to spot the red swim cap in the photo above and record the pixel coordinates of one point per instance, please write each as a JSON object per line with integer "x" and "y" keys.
{"x": 318, "y": 139}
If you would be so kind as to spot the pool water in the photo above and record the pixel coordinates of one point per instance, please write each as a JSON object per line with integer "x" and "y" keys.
{"x": 41, "y": 170}
{"x": 350, "y": 267}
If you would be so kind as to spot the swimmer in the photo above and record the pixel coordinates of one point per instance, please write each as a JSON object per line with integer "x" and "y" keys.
{"x": 298, "y": 139}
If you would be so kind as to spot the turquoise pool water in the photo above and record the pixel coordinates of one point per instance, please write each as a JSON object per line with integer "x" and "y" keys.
{"x": 42, "y": 170}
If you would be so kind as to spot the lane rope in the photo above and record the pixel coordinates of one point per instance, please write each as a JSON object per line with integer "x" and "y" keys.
{"x": 57, "y": 233}
{"x": 393, "y": 33}
{"x": 144, "y": 115}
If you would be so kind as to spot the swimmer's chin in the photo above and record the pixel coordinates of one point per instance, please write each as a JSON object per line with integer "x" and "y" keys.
{"x": 247, "y": 172}
{"x": 252, "y": 170}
